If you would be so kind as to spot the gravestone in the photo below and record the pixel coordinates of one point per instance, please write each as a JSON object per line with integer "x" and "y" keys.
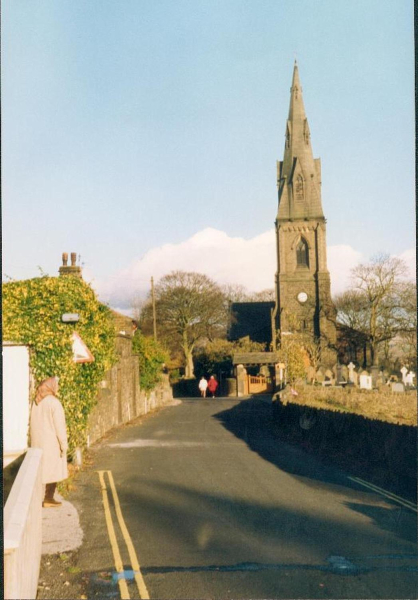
{"x": 374, "y": 372}
{"x": 344, "y": 372}
{"x": 409, "y": 379}
{"x": 404, "y": 371}
{"x": 352, "y": 373}
{"x": 365, "y": 382}
{"x": 398, "y": 387}
{"x": 381, "y": 379}
{"x": 329, "y": 375}
{"x": 355, "y": 378}
{"x": 320, "y": 375}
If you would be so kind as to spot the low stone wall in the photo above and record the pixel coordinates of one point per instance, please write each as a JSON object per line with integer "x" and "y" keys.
{"x": 23, "y": 530}
{"x": 386, "y": 451}
{"x": 121, "y": 400}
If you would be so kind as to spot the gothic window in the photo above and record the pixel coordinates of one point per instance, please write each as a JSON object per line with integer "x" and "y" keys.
{"x": 287, "y": 137}
{"x": 302, "y": 254}
{"x": 299, "y": 192}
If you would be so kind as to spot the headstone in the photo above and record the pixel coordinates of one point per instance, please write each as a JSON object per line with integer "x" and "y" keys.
{"x": 409, "y": 379}
{"x": 381, "y": 379}
{"x": 398, "y": 387}
{"x": 344, "y": 372}
{"x": 404, "y": 371}
{"x": 329, "y": 375}
{"x": 374, "y": 372}
{"x": 320, "y": 376}
{"x": 366, "y": 382}
{"x": 339, "y": 374}
{"x": 351, "y": 373}
{"x": 355, "y": 378}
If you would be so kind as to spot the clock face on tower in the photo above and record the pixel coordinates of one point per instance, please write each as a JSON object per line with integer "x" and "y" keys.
{"x": 302, "y": 297}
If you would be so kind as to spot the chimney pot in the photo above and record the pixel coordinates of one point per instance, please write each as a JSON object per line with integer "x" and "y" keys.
{"x": 64, "y": 259}
{"x": 73, "y": 258}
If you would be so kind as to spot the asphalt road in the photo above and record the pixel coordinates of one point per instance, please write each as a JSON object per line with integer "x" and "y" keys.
{"x": 217, "y": 506}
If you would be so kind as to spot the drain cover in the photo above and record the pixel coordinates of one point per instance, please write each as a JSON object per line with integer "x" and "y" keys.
{"x": 342, "y": 564}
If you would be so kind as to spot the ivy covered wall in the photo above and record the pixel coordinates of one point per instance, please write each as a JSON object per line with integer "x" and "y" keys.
{"x": 32, "y": 311}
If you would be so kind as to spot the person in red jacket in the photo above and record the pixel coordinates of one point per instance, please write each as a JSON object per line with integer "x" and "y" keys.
{"x": 212, "y": 385}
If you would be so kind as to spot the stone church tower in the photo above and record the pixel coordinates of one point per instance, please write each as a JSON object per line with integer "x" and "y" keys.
{"x": 302, "y": 280}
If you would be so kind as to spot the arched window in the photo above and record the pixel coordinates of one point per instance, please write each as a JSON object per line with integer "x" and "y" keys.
{"x": 299, "y": 188}
{"x": 302, "y": 254}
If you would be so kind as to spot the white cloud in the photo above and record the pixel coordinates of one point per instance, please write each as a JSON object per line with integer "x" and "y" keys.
{"x": 225, "y": 259}
{"x": 341, "y": 259}
{"x": 410, "y": 258}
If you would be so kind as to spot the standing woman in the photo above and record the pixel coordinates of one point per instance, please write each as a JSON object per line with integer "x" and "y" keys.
{"x": 48, "y": 431}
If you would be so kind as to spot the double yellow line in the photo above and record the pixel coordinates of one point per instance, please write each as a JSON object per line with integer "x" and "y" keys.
{"x": 123, "y": 586}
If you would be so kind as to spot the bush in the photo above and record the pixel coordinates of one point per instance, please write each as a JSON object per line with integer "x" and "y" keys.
{"x": 152, "y": 358}
{"x": 32, "y": 311}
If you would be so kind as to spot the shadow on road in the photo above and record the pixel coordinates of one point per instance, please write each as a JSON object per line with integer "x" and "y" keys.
{"x": 254, "y": 421}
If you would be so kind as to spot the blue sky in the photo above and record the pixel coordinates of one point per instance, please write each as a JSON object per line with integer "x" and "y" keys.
{"x": 132, "y": 124}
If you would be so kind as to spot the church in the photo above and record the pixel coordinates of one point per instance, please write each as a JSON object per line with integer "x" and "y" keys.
{"x": 303, "y": 286}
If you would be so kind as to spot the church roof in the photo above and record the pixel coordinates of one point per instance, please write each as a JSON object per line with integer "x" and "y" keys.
{"x": 255, "y": 358}
{"x": 299, "y": 174}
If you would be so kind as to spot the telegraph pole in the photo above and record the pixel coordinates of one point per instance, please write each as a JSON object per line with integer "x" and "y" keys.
{"x": 154, "y": 316}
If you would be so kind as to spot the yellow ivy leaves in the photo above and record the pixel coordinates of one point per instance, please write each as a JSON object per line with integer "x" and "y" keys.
{"x": 32, "y": 311}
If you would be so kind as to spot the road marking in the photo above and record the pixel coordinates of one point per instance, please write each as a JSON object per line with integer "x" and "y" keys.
{"x": 142, "y": 588}
{"x": 383, "y": 492}
{"x": 123, "y": 586}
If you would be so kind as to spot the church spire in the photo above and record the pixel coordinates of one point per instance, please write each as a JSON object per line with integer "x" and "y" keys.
{"x": 299, "y": 173}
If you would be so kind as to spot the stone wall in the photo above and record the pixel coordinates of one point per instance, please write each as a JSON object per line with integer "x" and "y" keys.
{"x": 365, "y": 447}
{"x": 120, "y": 398}
{"x": 23, "y": 530}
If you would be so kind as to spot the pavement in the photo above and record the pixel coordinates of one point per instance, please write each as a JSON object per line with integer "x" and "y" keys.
{"x": 61, "y": 530}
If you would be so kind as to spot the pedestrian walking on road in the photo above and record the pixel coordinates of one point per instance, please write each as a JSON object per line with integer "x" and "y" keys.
{"x": 48, "y": 431}
{"x": 203, "y": 384}
{"x": 212, "y": 385}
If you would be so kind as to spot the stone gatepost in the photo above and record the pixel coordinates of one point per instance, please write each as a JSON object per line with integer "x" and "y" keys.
{"x": 241, "y": 380}
{"x": 279, "y": 372}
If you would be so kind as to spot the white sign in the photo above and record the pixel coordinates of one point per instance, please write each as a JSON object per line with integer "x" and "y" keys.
{"x": 81, "y": 354}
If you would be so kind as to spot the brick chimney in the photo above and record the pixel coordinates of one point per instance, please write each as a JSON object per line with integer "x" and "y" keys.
{"x": 73, "y": 269}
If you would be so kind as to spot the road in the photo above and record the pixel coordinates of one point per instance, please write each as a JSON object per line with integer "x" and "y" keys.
{"x": 214, "y": 505}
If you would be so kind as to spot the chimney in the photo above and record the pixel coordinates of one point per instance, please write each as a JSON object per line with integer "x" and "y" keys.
{"x": 70, "y": 270}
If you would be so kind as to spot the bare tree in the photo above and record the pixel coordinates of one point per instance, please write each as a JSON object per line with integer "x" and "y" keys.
{"x": 373, "y": 305}
{"x": 190, "y": 307}
{"x": 268, "y": 295}
{"x": 235, "y": 292}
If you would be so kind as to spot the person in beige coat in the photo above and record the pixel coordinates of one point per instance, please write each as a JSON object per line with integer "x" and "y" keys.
{"x": 49, "y": 432}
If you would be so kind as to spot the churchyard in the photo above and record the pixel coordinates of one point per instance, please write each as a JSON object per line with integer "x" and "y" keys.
{"x": 381, "y": 404}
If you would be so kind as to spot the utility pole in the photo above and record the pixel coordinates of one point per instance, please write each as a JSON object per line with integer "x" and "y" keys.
{"x": 154, "y": 316}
